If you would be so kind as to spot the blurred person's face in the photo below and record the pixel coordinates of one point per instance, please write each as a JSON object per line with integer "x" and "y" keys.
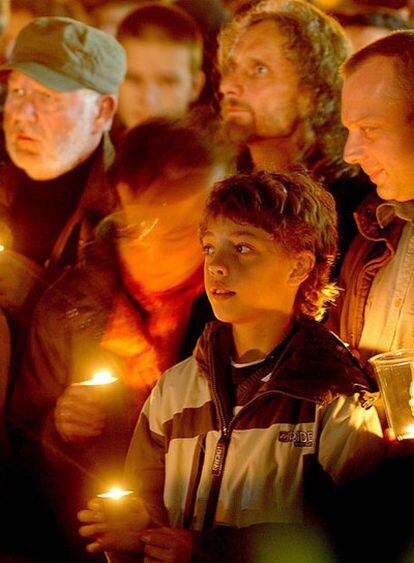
{"x": 48, "y": 132}
{"x": 109, "y": 15}
{"x": 159, "y": 245}
{"x": 159, "y": 81}
{"x": 262, "y": 98}
{"x": 380, "y": 129}
{"x": 361, "y": 35}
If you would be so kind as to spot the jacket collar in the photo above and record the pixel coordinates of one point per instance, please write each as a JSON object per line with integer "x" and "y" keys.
{"x": 368, "y": 226}
{"x": 315, "y": 365}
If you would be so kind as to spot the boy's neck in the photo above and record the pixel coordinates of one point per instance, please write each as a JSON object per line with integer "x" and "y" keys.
{"x": 255, "y": 341}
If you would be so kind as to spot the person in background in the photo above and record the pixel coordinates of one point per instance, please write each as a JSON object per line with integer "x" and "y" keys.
{"x": 57, "y": 115}
{"x": 107, "y": 15}
{"x": 282, "y": 108}
{"x": 234, "y": 439}
{"x": 126, "y": 308}
{"x": 362, "y": 27}
{"x": 210, "y": 17}
{"x": 164, "y": 50}
{"x": 23, "y": 12}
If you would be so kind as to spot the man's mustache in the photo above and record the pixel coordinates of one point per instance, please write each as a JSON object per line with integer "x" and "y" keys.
{"x": 228, "y": 103}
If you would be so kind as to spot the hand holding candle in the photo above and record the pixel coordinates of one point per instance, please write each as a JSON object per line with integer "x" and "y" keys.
{"x": 80, "y": 410}
{"x": 115, "y": 521}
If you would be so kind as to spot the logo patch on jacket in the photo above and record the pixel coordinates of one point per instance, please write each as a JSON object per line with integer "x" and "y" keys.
{"x": 300, "y": 438}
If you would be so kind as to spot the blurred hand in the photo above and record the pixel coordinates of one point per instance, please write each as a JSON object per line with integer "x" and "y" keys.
{"x": 167, "y": 544}
{"x": 114, "y": 530}
{"x": 79, "y": 414}
{"x": 18, "y": 274}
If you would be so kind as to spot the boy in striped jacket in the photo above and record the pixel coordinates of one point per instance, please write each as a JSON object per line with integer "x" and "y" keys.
{"x": 236, "y": 441}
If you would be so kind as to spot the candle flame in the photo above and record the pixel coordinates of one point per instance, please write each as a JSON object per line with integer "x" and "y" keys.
{"x": 2, "y": 248}
{"x": 409, "y": 431}
{"x": 115, "y": 493}
{"x": 101, "y": 378}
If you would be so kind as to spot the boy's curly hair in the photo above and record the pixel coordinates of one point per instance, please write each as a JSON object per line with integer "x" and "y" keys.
{"x": 298, "y": 213}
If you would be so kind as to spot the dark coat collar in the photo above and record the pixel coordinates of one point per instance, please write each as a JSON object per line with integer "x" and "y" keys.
{"x": 315, "y": 365}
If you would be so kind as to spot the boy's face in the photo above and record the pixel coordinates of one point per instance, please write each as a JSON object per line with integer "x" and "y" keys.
{"x": 248, "y": 275}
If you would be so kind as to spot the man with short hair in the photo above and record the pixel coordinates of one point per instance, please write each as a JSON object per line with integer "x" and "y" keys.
{"x": 63, "y": 80}
{"x": 280, "y": 91}
{"x": 376, "y": 313}
{"x": 164, "y": 49}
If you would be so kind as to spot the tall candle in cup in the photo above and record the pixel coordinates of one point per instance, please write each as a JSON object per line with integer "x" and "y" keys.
{"x": 395, "y": 375}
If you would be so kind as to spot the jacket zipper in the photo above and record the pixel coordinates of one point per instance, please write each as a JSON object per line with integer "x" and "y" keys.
{"x": 222, "y": 447}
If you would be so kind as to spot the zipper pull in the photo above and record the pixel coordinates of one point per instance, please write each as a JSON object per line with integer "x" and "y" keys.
{"x": 220, "y": 452}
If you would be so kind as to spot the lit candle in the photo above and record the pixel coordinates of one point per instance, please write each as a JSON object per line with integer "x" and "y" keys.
{"x": 115, "y": 494}
{"x": 2, "y": 248}
{"x": 100, "y": 378}
{"x": 114, "y": 502}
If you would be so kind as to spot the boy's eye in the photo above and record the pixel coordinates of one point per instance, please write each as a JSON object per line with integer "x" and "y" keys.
{"x": 208, "y": 249}
{"x": 242, "y": 248}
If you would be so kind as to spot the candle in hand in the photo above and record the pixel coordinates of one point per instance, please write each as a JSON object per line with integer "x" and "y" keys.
{"x": 115, "y": 494}
{"x": 100, "y": 378}
{"x": 113, "y": 502}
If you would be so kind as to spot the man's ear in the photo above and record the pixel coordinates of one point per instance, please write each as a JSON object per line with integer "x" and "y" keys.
{"x": 198, "y": 81}
{"x": 302, "y": 265}
{"x": 107, "y": 105}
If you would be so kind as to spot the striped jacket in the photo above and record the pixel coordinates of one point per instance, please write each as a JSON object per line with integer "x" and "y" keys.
{"x": 199, "y": 465}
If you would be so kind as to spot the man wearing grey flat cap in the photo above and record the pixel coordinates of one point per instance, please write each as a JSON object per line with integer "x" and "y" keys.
{"x": 62, "y": 84}
{"x": 62, "y": 87}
